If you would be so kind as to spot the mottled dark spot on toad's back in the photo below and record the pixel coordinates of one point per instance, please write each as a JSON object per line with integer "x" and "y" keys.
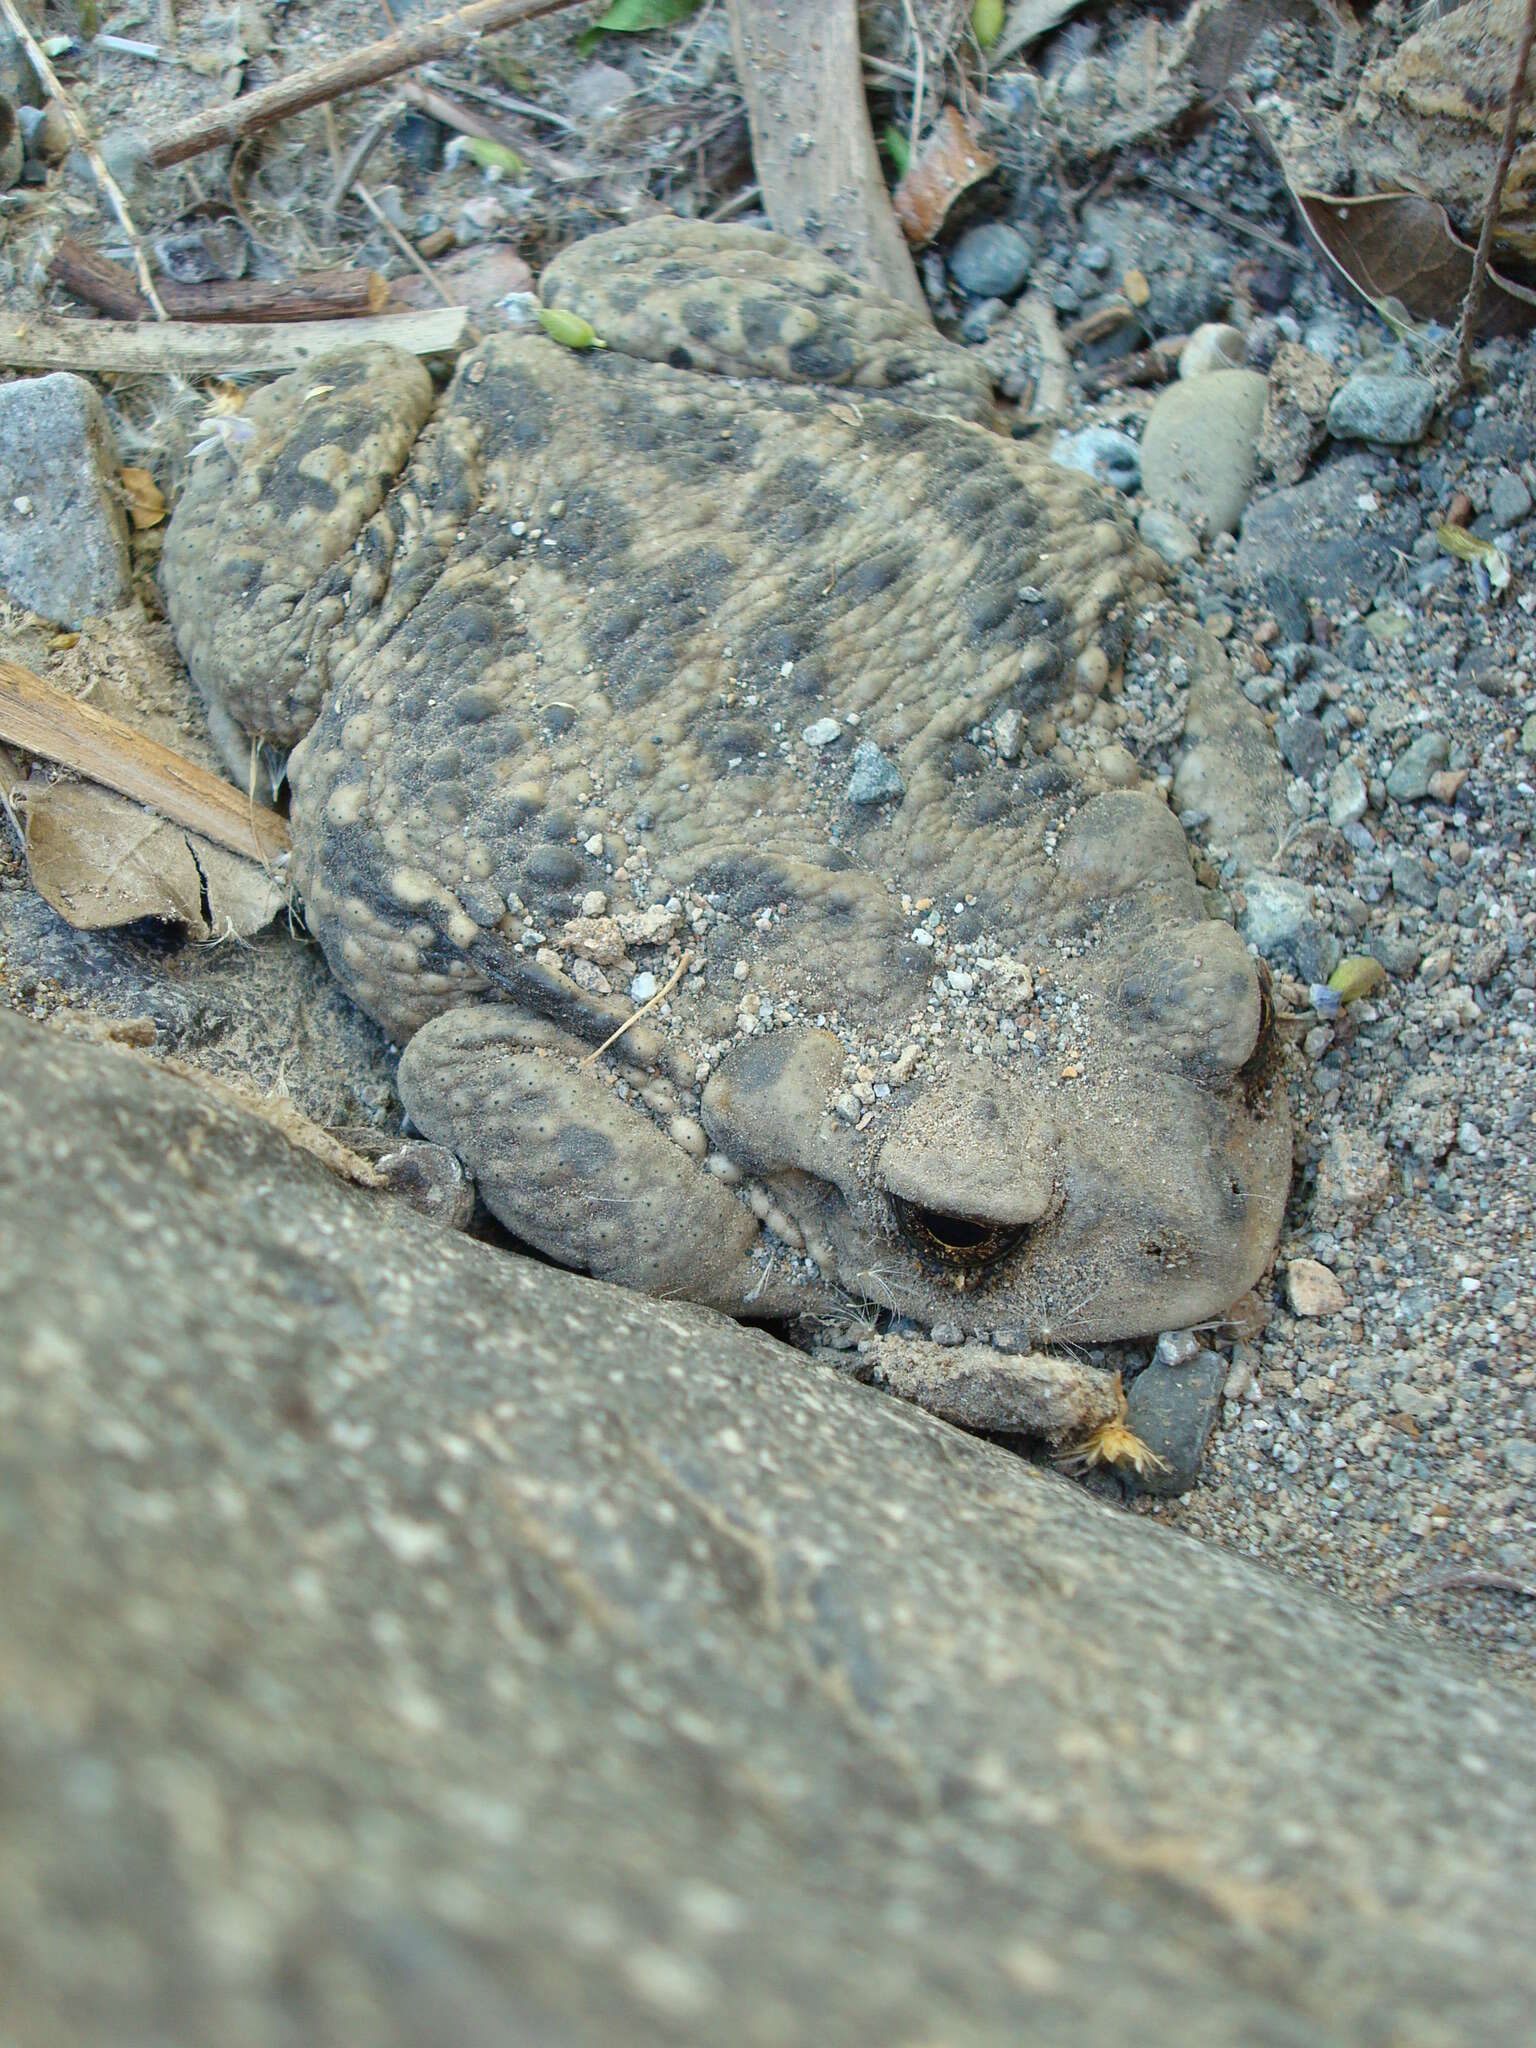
{"x": 761, "y": 323}
{"x": 584, "y": 1151}
{"x": 702, "y": 318}
{"x": 594, "y": 534}
{"x": 824, "y": 358}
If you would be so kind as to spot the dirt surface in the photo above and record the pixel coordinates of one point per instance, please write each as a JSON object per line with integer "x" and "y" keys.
{"x": 1387, "y": 1449}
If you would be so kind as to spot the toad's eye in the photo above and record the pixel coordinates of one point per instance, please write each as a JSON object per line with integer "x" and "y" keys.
{"x": 970, "y": 1241}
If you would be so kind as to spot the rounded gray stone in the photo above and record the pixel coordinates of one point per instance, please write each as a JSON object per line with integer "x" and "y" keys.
{"x": 1197, "y": 454}
{"x": 1508, "y": 499}
{"x": 1348, "y": 799}
{"x": 991, "y": 261}
{"x": 1173, "y": 1409}
{"x": 1167, "y": 535}
{"x": 1279, "y": 922}
{"x": 1102, "y": 452}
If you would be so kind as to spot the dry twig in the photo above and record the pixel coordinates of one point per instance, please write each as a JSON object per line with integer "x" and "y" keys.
{"x": 1465, "y": 1582}
{"x": 315, "y": 295}
{"x": 1472, "y": 306}
{"x": 49, "y": 80}
{"x": 644, "y": 1010}
{"x": 43, "y": 720}
{"x": 448, "y": 36}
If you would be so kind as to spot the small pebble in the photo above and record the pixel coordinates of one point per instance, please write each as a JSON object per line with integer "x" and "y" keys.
{"x": 1508, "y": 500}
{"x": 1409, "y": 779}
{"x": 823, "y": 733}
{"x": 1213, "y": 346}
{"x": 875, "y": 778}
{"x": 1377, "y": 406}
{"x": 1312, "y": 1290}
{"x": 1167, "y": 535}
{"x": 1348, "y": 799}
{"x": 990, "y": 261}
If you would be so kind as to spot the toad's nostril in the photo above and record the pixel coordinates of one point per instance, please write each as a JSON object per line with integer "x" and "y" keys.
{"x": 969, "y": 1241}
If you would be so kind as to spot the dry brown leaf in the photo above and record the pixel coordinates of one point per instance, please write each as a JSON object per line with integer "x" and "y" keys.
{"x": 1398, "y": 250}
{"x": 142, "y": 497}
{"x": 952, "y": 159}
{"x": 101, "y": 861}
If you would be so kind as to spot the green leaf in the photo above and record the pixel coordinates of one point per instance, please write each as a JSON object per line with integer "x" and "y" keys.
{"x": 634, "y": 17}
{"x": 1356, "y": 976}
{"x": 494, "y": 156}
{"x": 897, "y": 148}
{"x": 987, "y": 22}
{"x": 569, "y": 329}
{"x": 1471, "y": 547}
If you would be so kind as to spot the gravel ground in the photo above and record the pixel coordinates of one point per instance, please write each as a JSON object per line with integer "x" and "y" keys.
{"x": 1387, "y": 1448}
{"x": 1391, "y": 1448}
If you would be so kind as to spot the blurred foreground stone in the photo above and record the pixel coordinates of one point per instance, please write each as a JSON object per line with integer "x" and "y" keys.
{"x": 404, "y": 1642}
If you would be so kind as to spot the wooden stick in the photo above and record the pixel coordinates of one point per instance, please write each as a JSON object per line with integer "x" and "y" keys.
{"x": 43, "y": 720}
{"x": 49, "y": 79}
{"x": 797, "y": 62}
{"x": 188, "y": 349}
{"x": 1472, "y": 305}
{"x": 313, "y": 295}
{"x": 448, "y": 36}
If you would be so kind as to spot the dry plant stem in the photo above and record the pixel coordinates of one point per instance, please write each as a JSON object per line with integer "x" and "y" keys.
{"x": 401, "y": 243}
{"x": 316, "y": 295}
{"x": 915, "y": 128}
{"x": 451, "y": 113}
{"x": 356, "y": 159}
{"x": 45, "y": 721}
{"x": 186, "y": 348}
{"x": 645, "y": 1008}
{"x": 1213, "y": 207}
{"x": 448, "y": 36}
{"x": 1472, "y": 307}
{"x": 49, "y": 80}
{"x": 1053, "y": 394}
{"x": 1466, "y": 1582}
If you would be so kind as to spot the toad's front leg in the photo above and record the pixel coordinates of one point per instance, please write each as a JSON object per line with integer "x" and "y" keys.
{"x": 577, "y": 1171}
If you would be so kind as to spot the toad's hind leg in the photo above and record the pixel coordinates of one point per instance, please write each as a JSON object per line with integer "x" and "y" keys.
{"x": 573, "y": 1170}
{"x": 278, "y": 551}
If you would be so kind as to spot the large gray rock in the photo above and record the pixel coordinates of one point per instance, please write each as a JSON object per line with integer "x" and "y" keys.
{"x": 404, "y": 1642}
{"x": 63, "y": 534}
